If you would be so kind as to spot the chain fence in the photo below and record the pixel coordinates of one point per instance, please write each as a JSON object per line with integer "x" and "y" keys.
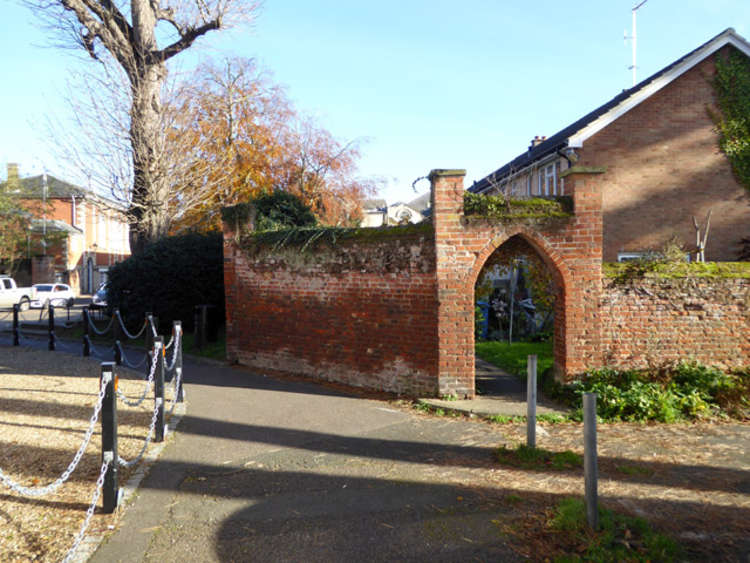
{"x": 89, "y": 513}
{"x": 146, "y": 388}
{"x": 125, "y": 463}
{"x": 126, "y": 332}
{"x": 52, "y": 487}
{"x": 158, "y": 354}
{"x": 102, "y": 332}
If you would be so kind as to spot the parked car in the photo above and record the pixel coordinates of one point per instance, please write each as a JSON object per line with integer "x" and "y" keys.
{"x": 99, "y": 300}
{"x": 11, "y": 294}
{"x": 57, "y": 294}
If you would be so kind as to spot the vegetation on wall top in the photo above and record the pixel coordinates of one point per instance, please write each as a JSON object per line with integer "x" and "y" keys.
{"x": 504, "y": 209}
{"x": 303, "y": 238}
{"x": 624, "y": 271}
{"x": 732, "y": 85}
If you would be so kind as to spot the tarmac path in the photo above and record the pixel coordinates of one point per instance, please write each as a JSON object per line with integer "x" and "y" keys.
{"x": 263, "y": 469}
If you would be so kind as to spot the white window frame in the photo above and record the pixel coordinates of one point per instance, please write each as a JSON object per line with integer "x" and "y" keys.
{"x": 629, "y": 256}
{"x": 547, "y": 179}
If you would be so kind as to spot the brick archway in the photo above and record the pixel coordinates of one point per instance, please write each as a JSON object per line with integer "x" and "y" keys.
{"x": 556, "y": 266}
{"x": 573, "y": 251}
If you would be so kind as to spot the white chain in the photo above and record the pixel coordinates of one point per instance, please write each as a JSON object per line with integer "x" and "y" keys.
{"x": 96, "y": 330}
{"x": 125, "y": 360}
{"x": 175, "y": 390}
{"x": 125, "y": 463}
{"x": 153, "y": 328}
{"x": 47, "y": 489}
{"x": 177, "y": 338}
{"x": 149, "y": 381}
{"x": 89, "y": 513}
{"x": 125, "y": 330}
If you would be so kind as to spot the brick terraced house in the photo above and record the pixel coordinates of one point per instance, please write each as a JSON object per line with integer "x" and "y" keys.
{"x": 659, "y": 146}
{"x": 90, "y": 231}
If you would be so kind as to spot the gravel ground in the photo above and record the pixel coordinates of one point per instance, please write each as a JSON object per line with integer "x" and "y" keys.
{"x": 46, "y": 402}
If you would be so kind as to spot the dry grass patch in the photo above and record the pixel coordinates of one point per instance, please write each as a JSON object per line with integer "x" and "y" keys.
{"x": 46, "y": 402}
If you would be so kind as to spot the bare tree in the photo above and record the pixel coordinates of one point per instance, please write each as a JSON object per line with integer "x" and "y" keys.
{"x": 110, "y": 32}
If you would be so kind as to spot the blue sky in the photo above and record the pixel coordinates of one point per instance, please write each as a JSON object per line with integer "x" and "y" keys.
{"x": 422, "y": 84}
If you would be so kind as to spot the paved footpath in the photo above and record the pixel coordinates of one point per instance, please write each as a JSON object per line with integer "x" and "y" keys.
{"x": 263, "y": 469}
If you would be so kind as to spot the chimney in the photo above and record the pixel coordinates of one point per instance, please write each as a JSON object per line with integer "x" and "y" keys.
{"x": 537, "y": 140}
{"x": 12, "y": 176}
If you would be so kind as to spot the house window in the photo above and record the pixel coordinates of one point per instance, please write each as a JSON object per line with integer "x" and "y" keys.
{"x": 629, "y": 256}
{"x": 547, "y": 180}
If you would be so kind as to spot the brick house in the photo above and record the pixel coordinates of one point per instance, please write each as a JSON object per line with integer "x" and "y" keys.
{"x": 90, "y": 231}
{"x": 660, "y": 148}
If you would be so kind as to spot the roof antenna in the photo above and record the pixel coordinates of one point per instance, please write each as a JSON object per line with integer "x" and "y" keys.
{"x": 634, "y": 38}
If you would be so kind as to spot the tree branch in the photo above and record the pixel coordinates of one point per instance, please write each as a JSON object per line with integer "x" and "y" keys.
{"x": 187, "y": 38}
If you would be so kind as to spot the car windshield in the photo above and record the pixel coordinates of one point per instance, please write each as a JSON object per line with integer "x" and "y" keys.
{"x": 42, "y": 287}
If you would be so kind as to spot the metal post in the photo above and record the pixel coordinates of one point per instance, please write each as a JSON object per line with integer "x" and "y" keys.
{"x": 178, "y": 361}
{"x": 116, "y": 325}
{"x": 149, "y": 338}
{"x": 51, "y": 326}
{"x": 16, "y": 331}
{"x": 589, "y": 459}
{"x": 531, "y": 401}
{"x": 86, "y": 340}
{"x": 159, "y": 388}
{"x": 109, "y": 438}
{"x": 200, "y": 326}
{"x": 118, "y": 353}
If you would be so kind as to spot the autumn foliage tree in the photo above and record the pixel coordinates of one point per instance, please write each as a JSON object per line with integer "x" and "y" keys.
{"x": 243, "y": 132}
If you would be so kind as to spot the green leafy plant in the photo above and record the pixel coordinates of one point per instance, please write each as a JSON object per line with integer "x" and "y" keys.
{"x": 686, "y": 391}
{"x": 732, "y": 86}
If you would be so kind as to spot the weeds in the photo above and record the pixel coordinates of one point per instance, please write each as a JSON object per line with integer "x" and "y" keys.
{"x": 619, "y": 538}
{"x": 526, "y": 457}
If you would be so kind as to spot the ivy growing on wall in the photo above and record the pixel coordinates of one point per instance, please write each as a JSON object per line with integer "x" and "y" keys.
{"x": 732, "y": 85}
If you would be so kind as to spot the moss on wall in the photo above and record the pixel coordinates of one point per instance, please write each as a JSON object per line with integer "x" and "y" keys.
{"x": 624, "y": 271}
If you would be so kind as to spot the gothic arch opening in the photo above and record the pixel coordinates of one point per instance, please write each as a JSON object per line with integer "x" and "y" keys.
{"x": 519, "y": 310}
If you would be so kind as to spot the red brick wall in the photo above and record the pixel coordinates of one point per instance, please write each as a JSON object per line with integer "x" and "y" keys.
{"x": 361, "y": 312}
{"x": 664, "y": 166}
{"x": 571, "y": 249}
{"x": 651, "y": 322}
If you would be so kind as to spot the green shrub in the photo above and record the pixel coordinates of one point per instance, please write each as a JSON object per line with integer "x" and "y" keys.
{"x": 169, "y": 278}
{"x": 689, "y": 390}
{"x": 282, "y": 210}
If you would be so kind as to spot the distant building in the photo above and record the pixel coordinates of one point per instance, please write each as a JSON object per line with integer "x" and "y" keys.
{"x": 378, "y": 213}
{"x": 90, "y": 231}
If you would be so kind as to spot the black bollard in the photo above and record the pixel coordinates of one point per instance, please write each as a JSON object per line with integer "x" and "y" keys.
{"x": 16, "y": 332}
{"x": 109, "y": 438}
{"x": 86, "y": 340}
{"x": 159, "y": 388}
{"x": 51, "y": 327}
{"x": 118, "y": 353}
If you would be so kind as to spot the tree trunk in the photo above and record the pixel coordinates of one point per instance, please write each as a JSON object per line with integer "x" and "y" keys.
{"x": 149, "y": 205}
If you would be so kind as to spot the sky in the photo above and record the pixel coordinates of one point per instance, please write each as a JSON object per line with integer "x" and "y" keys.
{"x": 419, "y": 84}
